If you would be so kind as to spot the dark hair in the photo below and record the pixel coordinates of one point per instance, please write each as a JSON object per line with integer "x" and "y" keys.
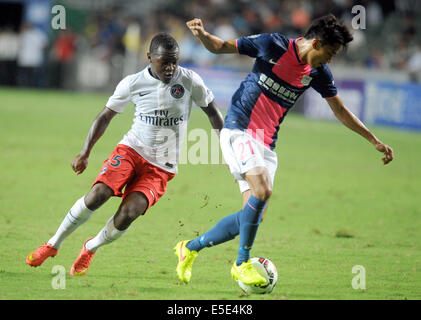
{"x": 164, "y": 40}
{"x": 329, "y": 30}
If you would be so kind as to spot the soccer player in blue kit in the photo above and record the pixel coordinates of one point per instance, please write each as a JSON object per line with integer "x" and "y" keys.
{"x": 284, "y": 68}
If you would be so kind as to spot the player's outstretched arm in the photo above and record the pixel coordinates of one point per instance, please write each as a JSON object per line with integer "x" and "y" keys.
{"x": 215, "y": 116}
{"x": 353, "y": 123}
{"x": 211, "y": 42}
{"x": 98, "y": 127}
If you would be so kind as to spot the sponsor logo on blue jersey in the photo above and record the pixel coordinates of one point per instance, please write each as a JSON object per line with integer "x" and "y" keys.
{"x": 277, "y": 89}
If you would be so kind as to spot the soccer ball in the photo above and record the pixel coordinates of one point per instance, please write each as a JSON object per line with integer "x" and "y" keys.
{"x": 268, "y": 270}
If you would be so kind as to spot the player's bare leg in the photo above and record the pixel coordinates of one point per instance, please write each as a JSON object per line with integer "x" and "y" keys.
{"x": 260, "y": 182}
{"x": 132, "y": 206}
{"x": 98, "y": 195}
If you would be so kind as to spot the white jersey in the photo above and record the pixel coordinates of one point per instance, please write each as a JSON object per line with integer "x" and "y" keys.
{"x": 161, "y": 113}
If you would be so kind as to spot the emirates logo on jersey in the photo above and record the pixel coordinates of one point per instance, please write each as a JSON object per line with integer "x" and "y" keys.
{"x": 177, "y": 91}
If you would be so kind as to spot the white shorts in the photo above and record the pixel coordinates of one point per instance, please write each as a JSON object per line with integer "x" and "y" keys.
{"x": 242, "y": 153}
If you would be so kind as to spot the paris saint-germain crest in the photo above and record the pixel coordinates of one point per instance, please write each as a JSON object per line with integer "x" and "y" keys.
{"x": 177, "y": 91}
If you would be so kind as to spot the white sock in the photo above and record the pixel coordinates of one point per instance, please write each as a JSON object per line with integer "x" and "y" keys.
{"x": 107, "y": 235}
{"x": 76, "y": 216}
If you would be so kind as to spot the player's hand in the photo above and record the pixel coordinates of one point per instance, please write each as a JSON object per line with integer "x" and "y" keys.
{"x": 196, "y": 27}
{"x": 386, "y": 150}
{"x": 79, "y": 163}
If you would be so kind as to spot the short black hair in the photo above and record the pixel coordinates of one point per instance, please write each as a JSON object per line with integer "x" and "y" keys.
{"x": 164, "y": 40}
{"x": 330, "y": 31}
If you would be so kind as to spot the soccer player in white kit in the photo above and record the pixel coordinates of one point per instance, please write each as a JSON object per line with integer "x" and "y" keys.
{"x": 146, "y": 158}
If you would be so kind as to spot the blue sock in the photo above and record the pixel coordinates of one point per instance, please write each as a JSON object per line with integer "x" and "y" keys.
{"x": 250, "y": 218}
{"x": 225, "y": 229}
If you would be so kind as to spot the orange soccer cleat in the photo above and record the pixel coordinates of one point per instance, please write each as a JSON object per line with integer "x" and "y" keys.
{"x": 37, "y": 257}
{"x": 81, "y": 265}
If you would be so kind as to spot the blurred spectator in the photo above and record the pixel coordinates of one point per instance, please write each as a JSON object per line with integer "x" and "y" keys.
{"x": 300, "y": 17}
{"x": 399, "y": 55}
{"x": 252, "y": 21}
{"x": 132, "y": 45}
{"x": 414, "y": 65}
{"x": 114, "y": 41}
{"x": 9, "y": 44}
{"x": 63, "y": 53}
{"x": 224, "y": 29}
{"x": 409, "y": 30}
{"x": 375, "y": 60}
{"x": 30, "y": 60}
{"x": 374, "y": 13}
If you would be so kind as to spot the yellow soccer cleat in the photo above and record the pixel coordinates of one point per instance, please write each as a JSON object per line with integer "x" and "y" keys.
{"x": 185, "y": 261}
{"x": 247, "y": 273}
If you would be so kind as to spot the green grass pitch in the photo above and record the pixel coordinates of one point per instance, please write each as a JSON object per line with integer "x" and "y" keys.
{"x": 334, "y": 206}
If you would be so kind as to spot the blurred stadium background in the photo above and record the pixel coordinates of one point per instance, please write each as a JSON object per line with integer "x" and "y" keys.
{"x": 379, "y": 75}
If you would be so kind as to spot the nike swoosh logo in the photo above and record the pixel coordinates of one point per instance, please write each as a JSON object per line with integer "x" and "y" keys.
{"x": 143, "y": 94}
{"x": 244, "y": 162}
{"x": 182, "y": 258}
{"x": 80, "y": 273}
{"x": 31, "y": 258}
{"x": 274, "y": 62}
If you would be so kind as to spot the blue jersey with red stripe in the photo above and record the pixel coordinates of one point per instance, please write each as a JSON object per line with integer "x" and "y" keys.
{"x": 274, "y": 84}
